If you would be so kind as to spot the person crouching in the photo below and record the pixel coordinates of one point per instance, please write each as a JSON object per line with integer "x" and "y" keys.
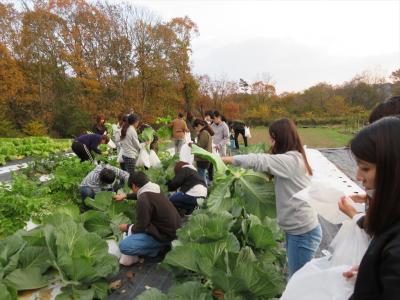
{"x": 156, "y": 219}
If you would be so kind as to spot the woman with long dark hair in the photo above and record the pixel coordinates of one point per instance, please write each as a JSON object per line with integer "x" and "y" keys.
{"x": 99, "y": 127}
{"x": 204, "y": 140}
{"x": 130, "y": 144}
{"x": 377, "y": 152}
{"x": 288, "y": 163}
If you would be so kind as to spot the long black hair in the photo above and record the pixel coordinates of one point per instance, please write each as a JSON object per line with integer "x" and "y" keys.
{"x": 286, "y": 137}
{"x": 379, "y": 144}
{"x": 132, "y": 119}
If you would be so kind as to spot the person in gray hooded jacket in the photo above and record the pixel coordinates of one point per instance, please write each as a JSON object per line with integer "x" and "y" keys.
{"x": 289, "y": 166}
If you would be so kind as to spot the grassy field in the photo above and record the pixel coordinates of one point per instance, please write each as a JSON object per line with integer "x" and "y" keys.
{"x": 318, "y": 137}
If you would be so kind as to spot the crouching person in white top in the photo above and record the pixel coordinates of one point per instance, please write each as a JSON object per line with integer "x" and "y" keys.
{"x": 189, "y": 186}
{"x": 289, "y": 166}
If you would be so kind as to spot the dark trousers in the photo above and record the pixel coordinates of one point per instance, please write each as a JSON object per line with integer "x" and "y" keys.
{"x": 183, "y": 201}
{"x": 211, "y": 172}
{"x": 237, "y": 132}
{"x": 129, "y": 164}
{"x": 82, "y": 151}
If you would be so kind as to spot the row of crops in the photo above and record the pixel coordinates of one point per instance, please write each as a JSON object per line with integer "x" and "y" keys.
{"x": 18, "y": 148}
{"x": 230, "y": 248}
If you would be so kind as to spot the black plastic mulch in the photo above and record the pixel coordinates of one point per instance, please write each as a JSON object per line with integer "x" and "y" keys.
{"x": 136, "y": 279}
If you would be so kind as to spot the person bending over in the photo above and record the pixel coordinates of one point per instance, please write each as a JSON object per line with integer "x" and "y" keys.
{"x": 189, "y": 186}
{"x": 84, "y": 145}
{"x": 102, "y": 178}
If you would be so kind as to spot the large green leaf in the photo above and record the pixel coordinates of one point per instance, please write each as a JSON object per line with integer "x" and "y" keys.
{"x": 7, "y": 293}
{"x": 204, "y": 228}
{"x": 201, "y": 258}
{"x": 219, "y": 165}
{"x": 261, "y": 237}
{"x": 73, "y": 293}
{"x": 248, "y": 277}
{"x": 26, "y": 279}
{"x": 34, "y": 257}
{"x": 191, "y": 290}
{"x": 257, "y": 193}
{"x": 102, "y": 201}
{"x": 98, "y": 222}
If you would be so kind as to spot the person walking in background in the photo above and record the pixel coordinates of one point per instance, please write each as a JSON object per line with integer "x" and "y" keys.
{"x": 292, "y": 173}
{"x": 84, "y": 145}
{"x": 130, "y": 144}
{"x": 204, "y": 140}
{"x": 377, "y": 152}
{"x": 239, "y": 128}
{"x": 99, "y": 127}
{"x": 189, "y": 123}
{"x": 179, "y": 128}
{"x": 221, "y": 134}
{"x": 189, "y": 186}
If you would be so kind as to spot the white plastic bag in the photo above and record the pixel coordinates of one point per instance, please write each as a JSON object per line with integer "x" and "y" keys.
{"x": 350, "y": 244}
{"x": 111, "y": 144}
{"x": 143, "y": 159}
{"x": 127, "y": 260}
{"x": 113, "y": 248}
{"x": 188, "y": 137}
{"x": 247, "y": 132}
{"x": 318, "y": 281}
{"x": 324, "y": 198}
{"x": 155, "y": 162}
{"x": 186, "y": 154}
{"x": 119, "y": 157}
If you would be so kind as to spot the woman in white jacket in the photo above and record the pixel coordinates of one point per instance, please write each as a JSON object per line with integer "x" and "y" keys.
{"x": 289, "y": 166}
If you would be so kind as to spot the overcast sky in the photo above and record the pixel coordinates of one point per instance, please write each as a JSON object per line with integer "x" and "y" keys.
{"x": 299, "y": 43}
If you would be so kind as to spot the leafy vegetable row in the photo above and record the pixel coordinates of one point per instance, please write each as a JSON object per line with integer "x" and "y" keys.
{"x": 231, "y": 248}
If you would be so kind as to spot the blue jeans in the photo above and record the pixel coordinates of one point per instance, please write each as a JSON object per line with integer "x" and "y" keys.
{"x": 203, "y": 174}
{"x": 183, "y": 201}
{"x": 301, "y": 248}
{"x": 141, "y": 244}
{"x": 86, "y": 192}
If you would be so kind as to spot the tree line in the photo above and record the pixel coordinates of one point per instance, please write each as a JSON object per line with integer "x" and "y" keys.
{"x": 62, "y": 62}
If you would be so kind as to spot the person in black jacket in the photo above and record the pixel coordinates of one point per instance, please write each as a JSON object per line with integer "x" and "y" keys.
{"x": 100, "y": 127}
{"x": 83, "y": 145}
{"x": 377, "y": 151}
{"x": 189, "y": 186}
{"x": 239, "y": 128}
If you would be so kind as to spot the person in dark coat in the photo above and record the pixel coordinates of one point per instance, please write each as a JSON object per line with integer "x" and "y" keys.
{"x": 189, "y": 186}
{"x": 84, "y": 145}
{"x": 239, "y": 128}
{"x": 100, "y": 127}
{"x": 377, "y": 151}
